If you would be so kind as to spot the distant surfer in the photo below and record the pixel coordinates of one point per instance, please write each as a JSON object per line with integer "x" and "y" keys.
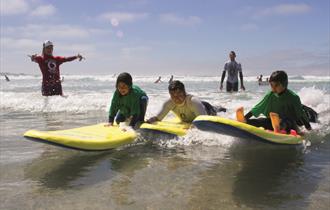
{"x": 7, "y": 78}
{"x": 129, "y": 102}
{"x": 158, "y": 80}
{"x": 233, "y": 68}
{"x": 49, "y": 67}
{"x": 185, "y": 106}
{"x": 171, "y": 79}
{"x": 281, "y": 107}
{"x": 261, "y": 82}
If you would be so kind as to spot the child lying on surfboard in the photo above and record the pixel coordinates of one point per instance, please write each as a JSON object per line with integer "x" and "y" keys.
{"x": 129, "y": 102}
{"x": 281, "y": 106}
{"x": 185, "y": 106}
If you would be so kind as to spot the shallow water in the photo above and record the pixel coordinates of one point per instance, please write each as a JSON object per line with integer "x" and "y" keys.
{"x": 199, "y": 171}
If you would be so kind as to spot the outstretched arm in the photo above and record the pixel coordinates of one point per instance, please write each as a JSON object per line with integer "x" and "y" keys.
{"x": 71, "y": 58}
{"x": 222, "y": 79}
{"x": 166, "y": 108}
{"x": 241, "y": 78}
{"x": 33, "y": 57}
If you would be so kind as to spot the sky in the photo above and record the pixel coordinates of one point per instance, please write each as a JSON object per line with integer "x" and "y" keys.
{"x": 163, "y": 37}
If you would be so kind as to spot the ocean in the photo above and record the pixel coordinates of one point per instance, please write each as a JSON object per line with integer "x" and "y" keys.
{"x": 199, "y": 171}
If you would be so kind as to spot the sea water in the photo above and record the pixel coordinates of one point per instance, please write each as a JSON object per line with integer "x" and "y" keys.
{"x": 199, "y": 171}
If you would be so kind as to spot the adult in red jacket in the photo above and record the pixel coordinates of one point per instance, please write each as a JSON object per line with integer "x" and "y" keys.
{"x": 49, "y": 67}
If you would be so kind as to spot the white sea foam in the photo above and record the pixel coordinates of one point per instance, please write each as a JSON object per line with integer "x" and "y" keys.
{"x": 89, "y": 93}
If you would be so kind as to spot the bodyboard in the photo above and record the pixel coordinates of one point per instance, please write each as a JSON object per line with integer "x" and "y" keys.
{"x": 94, "y": 137}
{"x": 238, "y": 129}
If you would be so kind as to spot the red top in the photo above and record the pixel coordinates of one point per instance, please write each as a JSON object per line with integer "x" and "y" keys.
{"x": 50, "y": 67}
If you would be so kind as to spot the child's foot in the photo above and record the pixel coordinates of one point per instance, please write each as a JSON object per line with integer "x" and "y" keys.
{"x": 275, "y": 121}
{"x": 240, "y": 115}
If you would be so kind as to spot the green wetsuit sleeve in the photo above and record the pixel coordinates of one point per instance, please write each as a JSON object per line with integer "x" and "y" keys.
{"x": 114, "y": 106}
{"x": 262, "y": 106}
{"x": 299, "y": 113}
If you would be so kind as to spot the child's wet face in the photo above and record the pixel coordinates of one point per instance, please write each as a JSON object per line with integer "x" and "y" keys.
{"x": 276, "y": 87}
{"x": 123, "y": 88}
{"x": 48, "y": 50}
{"x": 178, "y": 96}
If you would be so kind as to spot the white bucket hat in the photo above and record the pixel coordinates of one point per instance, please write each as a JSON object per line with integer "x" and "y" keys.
{"x": 47, "y": 43}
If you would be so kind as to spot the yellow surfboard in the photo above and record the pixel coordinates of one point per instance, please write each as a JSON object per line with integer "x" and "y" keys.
{"x": 171, "y": 126}
{"x": 94, "y": 137}
{"x": 237, "y": 129}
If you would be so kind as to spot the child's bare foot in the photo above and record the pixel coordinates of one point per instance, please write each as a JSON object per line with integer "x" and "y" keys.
{"x": 274, "y": 117}
{"x": 240, "y": 115}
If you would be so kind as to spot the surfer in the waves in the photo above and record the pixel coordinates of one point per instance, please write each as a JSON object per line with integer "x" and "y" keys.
{"x": 186, "y": 107}
{"x": 50, "y": 68}
{"x": 129, "y": 102}
{"x": 282, "y": 108}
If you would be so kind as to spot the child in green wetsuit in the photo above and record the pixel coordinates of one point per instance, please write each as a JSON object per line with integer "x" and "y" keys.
{"x": 128, "y": 102}
{"x": 281, "y": 106}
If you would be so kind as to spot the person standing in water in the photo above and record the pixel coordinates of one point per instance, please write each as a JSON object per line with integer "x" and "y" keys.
{"x": 233, "y": 68}
{"x": 50, "y": 68}
{"x": 7, "y": 78}
{"x": 171, "y": 79}
{"x": 158, "y": 80}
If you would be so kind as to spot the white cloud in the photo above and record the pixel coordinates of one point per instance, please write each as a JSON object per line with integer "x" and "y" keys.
{"x": 48, "y": 31}
{"x": 44, "y": 10}
{"x": 117, "y": 18}
{"x": 12, "y": 46}
{"x": 8, "y": 43}
{"x": 174, "y": 19}
{"x": 284, "y": 9}
{"x": 87, "y": 50}
{"x": 13, "y": 7}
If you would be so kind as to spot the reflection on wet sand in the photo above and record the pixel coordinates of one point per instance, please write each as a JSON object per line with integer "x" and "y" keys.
{"x": 67, "y": 169}
{"x": 263, "y": 175}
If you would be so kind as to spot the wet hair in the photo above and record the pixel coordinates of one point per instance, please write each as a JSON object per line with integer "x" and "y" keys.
{"x": 125, "y": 78}
{"x": 233, "y": 52}
{"x": 176, "y": 85}
{"x": 280, "y": 77}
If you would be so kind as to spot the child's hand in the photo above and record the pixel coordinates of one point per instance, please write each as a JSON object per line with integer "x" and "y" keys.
{"x": 33, "y": 56}
{"x": 108, "y": 125}
{"x": 80, "y": 57}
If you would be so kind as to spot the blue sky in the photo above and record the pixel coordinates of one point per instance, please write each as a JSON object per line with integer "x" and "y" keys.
{"x": 179, "y": 37}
